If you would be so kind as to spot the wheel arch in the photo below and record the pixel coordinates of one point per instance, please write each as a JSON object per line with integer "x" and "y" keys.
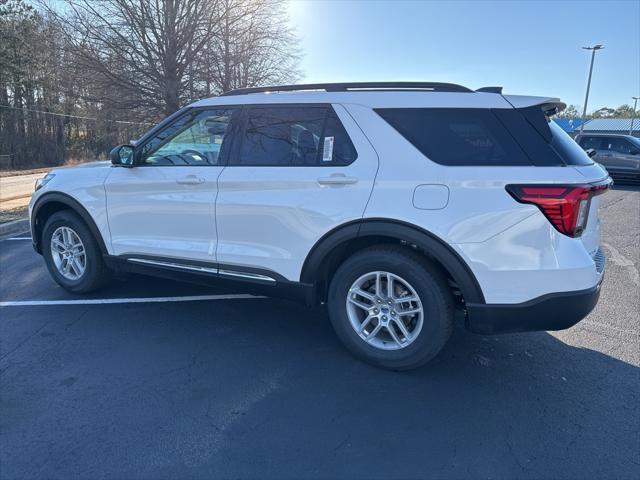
{"x": 53, "y": 202}
{"x": 335, "y": 246}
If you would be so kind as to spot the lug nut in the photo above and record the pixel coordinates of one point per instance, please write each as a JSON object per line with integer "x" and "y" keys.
{"x": 375, "y": 310}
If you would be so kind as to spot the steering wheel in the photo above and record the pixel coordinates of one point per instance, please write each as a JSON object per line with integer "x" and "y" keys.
{"x": 195, "y": 154}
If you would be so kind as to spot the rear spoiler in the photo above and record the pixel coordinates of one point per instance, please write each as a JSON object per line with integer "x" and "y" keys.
{"x": 549, "y": 105}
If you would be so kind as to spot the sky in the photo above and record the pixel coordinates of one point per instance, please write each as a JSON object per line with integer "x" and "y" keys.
{"x": 531, "y": 48}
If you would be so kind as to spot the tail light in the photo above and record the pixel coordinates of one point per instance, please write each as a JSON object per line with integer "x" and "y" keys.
{"x": 565, "y": 206}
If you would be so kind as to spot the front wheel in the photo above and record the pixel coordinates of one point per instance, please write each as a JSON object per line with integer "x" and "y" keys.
{"x": 72, "y": 255}
{"x": 391, "y": 307}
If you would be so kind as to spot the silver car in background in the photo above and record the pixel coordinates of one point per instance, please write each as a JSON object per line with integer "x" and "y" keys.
{"x": 619, "y": 154}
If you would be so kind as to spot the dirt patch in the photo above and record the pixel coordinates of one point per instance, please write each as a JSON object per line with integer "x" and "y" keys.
{"x": 15, "y": 173}
{"x": 14, "y": 214}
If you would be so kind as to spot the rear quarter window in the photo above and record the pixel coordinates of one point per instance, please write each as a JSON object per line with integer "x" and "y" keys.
{"x": 457, "y": 136}
{"x": 486, "y": 137}
{"x": 570, "y": 152}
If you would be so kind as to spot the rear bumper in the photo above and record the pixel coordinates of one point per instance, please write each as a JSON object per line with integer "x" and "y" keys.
{"x": 555, "y": 311}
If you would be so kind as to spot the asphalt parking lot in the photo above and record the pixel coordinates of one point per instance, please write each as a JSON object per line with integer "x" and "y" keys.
{"x": 260, "y": 388}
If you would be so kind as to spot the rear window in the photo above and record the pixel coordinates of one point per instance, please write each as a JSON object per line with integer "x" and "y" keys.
{"x": 456, "y": 136}
{"x": 486, "y": 137}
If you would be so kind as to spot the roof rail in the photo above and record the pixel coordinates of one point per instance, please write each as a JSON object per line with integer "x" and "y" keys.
{"x": 490, "y": 90}
{"x": 354, "y": 86}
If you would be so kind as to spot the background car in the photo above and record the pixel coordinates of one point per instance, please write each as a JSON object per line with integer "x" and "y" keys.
{"x": 619, "y": 154}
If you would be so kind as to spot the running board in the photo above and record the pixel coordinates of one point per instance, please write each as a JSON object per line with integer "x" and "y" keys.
{"x": 201, "y": 269}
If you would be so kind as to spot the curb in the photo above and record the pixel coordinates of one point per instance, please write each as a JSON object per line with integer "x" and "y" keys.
{"x": 13, "y": 227}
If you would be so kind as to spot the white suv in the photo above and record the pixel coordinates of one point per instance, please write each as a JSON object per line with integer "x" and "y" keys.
{"x": 393, "y": 203}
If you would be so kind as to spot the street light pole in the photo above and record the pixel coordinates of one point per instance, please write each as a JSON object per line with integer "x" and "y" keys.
{"x": 586, "y": 98}
{"x": 633, "y": 115}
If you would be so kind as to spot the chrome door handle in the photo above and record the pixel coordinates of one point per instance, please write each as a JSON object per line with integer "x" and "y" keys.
{"x": 190, "y": 180}
{"x": 337, "y": 179}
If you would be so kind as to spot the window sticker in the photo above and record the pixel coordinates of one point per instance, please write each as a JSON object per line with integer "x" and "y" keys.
{"x": 327, "y": 151}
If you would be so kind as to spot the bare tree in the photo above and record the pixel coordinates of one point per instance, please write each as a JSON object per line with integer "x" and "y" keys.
{"x": 154, "y": 55}
{"x": 254, "y": 45}
{"x": 139, "y": 52}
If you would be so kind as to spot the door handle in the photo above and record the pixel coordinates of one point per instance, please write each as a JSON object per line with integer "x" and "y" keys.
{"x": 337, "y": 179}
{"x": 190, "y": 180}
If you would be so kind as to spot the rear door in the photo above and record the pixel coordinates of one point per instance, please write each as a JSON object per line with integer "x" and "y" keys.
{"x": 296, "y": 172}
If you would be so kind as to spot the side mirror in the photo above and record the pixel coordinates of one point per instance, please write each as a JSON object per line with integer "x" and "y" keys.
{"x": 122, "y": 155}
{"x": 591, "y": 152}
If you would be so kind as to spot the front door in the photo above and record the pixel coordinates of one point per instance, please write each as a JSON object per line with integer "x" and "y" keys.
{"x": 295, "y": 175}
{"x": 164, "y": 206}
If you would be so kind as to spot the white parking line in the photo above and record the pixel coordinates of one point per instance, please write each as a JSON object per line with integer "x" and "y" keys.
{"x": 103, "y": 301}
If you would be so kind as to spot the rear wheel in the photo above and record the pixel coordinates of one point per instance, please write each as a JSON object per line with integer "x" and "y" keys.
{"x": 72, "y": 255}
{"x": 391, "y": 307}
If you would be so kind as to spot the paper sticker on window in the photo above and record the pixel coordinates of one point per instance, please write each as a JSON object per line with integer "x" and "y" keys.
{"x": 327, "y": 151}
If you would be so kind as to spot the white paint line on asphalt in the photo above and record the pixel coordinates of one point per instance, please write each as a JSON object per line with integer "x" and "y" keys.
{"x": 104, "y": 301}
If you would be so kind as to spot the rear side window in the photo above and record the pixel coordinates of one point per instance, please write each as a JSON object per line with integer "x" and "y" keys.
{"x": 567, "y": 148}
{"x": 486, "y": 137}
{"x": 290, "y": 136}
{"x": 457, "y": 136}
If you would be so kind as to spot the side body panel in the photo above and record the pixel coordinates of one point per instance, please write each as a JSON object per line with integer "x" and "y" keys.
{"x": 513, "y": 250}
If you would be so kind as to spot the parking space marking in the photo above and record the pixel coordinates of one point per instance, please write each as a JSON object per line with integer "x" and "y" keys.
{"x": 17, "y": 238}
{"x": 104, "y": 301}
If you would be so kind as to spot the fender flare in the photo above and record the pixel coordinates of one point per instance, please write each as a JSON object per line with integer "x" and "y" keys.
{"x": 340, "y": 236}
{"x": 74, "y": 205}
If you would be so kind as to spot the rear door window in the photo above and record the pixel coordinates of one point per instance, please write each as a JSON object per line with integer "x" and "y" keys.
{"x": 457, "y": 136}
{"x": 289, "y": 136}
{"x": 620, "y": 145}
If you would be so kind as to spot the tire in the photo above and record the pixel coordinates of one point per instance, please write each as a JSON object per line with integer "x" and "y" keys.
{"x": 411, "y": 275}
{"x": 95, "y": 273}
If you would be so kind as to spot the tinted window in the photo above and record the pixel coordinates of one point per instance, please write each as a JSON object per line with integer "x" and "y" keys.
{"x": 294, "y": 136}
{"x": 619, "y": 145}
{"x": 194, "y": 139}
{"x": 567, "y": 148}
{"x": 591, "y": 142}
{"x": 532, "y": 142}
{"x": 460, "y": 136}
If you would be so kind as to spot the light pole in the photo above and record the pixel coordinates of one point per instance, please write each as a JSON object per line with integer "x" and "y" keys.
{"x": 633, "y": 115}
{"x": 586, "y": 98}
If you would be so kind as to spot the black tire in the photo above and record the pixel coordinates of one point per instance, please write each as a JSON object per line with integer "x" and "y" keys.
{"x": 96, "y": 273}
{"x": 428, "y": 282}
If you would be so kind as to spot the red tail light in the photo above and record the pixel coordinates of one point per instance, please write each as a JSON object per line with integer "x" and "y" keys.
{"x": 565, "y": 206}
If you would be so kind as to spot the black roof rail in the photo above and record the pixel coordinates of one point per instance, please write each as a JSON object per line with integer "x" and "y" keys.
{"x": 490, "y": 90}
{"x": 355, "y": 86}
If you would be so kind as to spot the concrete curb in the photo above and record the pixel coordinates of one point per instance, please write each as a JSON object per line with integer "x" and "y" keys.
{"x": 16, "y": 226}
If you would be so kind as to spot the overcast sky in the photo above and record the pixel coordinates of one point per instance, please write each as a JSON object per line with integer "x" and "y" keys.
{"x": 526, "y": 47}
